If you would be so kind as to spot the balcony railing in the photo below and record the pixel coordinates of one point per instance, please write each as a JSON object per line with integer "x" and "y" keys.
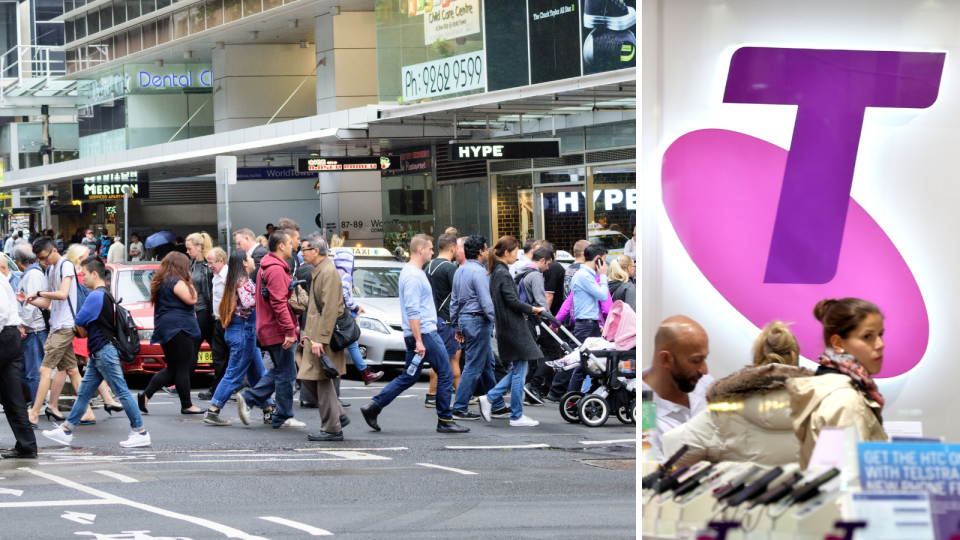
{"x": 30, "y": 62}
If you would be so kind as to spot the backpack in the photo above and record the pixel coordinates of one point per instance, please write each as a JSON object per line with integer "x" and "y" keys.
{"x": 128, "y": 335}
{"x": 82, "y": 292}
{"x": 568, "y": 279}
{"x": 521, "y": 288}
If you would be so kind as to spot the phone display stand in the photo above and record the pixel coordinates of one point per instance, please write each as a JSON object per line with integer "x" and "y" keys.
{"x": 811, "y": 520}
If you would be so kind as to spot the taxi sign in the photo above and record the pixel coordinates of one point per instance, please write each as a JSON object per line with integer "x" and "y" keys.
{"x": 366, "y": 251}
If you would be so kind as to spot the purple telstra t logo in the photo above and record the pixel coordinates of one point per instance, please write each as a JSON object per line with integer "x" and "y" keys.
{"x": 777, "y": 231}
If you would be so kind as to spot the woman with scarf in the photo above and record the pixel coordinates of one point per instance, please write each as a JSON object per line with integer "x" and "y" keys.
{"x": 843, "y": 392}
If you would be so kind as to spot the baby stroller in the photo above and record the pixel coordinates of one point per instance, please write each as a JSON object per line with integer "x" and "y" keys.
{"x": 611, "y": 389}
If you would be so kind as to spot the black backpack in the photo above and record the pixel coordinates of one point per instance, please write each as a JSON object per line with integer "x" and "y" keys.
{"x": 128, "y": 336}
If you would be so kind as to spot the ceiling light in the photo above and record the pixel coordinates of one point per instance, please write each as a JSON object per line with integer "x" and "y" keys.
{"x": 294, "y": 23}
{"x": 335, "y": 10}
{"x": 221, "y": 45}
{"x": 254, "y": 35}
{"x": 187, "y": 55}
{"x": 158, "y": 63}
{"x": 303, "y": 44}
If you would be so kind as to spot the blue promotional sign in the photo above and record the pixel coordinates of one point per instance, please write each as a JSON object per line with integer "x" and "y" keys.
{"x": 271, "y": 173}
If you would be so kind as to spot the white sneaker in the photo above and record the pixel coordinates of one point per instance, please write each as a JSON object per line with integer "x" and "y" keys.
{"x": 293, "y": 423}
{"x": 243, "y": 410}
{"x": 58, "y": 435}
{"x": 136, "y": 440}
{"x": 524, "y": 421}
{"x": 485, "y": 408}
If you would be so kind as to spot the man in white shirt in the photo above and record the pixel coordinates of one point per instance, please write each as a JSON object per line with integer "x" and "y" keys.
{"x": 136, "y": 248}
{"x": 60, "y": 298}
{"x": 526, "y": 257}
{"x": 220, "y": 351}
{"x": 245, "y": 240}
{"x": 678, "y": 376}
{"x": 33, "y": 329}
{"x": 11, "y": 394}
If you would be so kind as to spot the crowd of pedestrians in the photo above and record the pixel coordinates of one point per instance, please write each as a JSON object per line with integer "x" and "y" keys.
{"x": 292, "y": 301}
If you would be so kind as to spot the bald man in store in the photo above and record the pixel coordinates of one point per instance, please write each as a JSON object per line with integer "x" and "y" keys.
{"x": 678, "y": 375}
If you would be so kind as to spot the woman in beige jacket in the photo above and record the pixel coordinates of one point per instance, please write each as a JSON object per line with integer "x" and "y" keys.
{"x": 748, "y": 413}
{"x": 843, "y": 392}
{"x": 324, "y": 306}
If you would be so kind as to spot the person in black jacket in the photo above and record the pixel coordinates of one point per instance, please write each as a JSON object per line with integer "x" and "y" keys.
{"x": 198, "y": 245}
{"x": 245, "y": 240}
{"x": 621, "y": 288}
{"x": 514, "y": 340}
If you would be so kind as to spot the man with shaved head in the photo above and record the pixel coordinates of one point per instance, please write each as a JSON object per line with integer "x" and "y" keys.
{"x": 678, "y": 376}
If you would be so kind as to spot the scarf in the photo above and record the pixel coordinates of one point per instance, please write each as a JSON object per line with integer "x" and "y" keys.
{"x": 849, "y": 366}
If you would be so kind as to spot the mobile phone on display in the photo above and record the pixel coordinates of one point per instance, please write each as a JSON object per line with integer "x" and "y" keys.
{"x": 735, "y": 485}
{"x": 778, "y": 492}
{"x": 812, "y": 488}
{"x": 692, "y": 482}
{"x": 755, "y": 489}
{"x": 670, "y": 481}
{"x": 651, "y": 479}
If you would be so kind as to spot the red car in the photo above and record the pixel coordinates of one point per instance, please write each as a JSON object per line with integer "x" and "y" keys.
{"x": 130, "y": 285}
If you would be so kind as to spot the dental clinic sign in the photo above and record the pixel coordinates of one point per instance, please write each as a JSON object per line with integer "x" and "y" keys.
{"x": 178, "y": 78}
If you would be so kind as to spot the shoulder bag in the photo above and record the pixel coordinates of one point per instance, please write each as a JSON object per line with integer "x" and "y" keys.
{"x": 346, "y": 331}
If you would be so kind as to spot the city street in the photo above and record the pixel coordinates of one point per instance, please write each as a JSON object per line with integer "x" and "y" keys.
{"x": 557, "y": 480}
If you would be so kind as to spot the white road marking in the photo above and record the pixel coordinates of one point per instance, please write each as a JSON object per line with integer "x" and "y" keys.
{"x": 351, "y": 455}
{"x": 223, "y": 529}
{"x": 117, "y": 476}
{"x": 352, "y": 449}
{"x": 609, "y": 442}
{"x": 83, "y": 519}
{"x": 508, "y": 447}
{"x": 365, "y": 397}
{"x": 14, "y": 492}
{"x": 263, "y": 460}
{"x": 79, "y": 502}
{"x": 461, "y": 471}
{"x": 305, "y": 528}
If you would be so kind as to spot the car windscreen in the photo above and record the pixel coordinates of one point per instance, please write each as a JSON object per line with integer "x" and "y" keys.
{"x": 134, "y": 285}
{"x": 376, "y": 283}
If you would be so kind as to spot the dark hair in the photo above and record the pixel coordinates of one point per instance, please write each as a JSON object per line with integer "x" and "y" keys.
{"x": 473, "y": 245}
{"x": 542, "y": 253}
{"x": 135, "y": 235}
{"x": 94, "y": 263}
{"x": 287, "y": 223}
{"x": 104, "y": 231}
{"x": 446, "y": 241}
{"x": 504, "y": 245}
{"x": 277, "y": 237}
{"x": 179, "y": 239}
{"x": 44, "y": 243}
{"x": 840, "y": 317}
{"x": 593, "y": 251}
{"x": 174, "y": 265}
{"x": 236, "y": 275}
{"x": 551, "y": 247}
{"x": 20, "y": 234}
{"x": 531, "y": 244}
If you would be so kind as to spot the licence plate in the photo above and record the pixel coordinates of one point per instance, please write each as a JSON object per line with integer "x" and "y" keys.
{"x": 205, "y": 357}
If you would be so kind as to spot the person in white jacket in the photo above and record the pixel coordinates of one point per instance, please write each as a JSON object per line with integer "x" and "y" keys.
{"x": 748, "y": 413}
{"x": 115, "y": 254}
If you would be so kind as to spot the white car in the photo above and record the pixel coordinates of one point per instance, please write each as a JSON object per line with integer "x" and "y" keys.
{"x": 376, "y": 290}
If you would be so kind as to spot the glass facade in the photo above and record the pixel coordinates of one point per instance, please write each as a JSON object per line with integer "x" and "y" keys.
{"x": 407, "y": 208}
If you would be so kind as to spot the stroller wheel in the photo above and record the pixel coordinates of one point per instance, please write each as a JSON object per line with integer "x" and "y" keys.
{"x": 594, "y": 410}
{"x": 568, "y": 407}
{"x": 624, "y": 415}
{"x": 633, "y": 409}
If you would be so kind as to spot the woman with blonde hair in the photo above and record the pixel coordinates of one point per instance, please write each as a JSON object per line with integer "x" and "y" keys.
{"x": 262, "y": 240}
{"x": 198, "y": 245}
{"x": 618, "y": 280}
{"x": 748, "y": 413}
{"x": 336, "y": 242}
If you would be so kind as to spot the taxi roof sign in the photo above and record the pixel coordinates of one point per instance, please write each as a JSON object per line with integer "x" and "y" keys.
{"x": 366, "y": 251}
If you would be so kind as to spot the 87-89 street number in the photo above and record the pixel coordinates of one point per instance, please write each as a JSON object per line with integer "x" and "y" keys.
{"x": 446, "y": 76}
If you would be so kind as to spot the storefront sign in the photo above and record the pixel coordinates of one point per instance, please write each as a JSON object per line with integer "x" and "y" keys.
{"x": 271, "y": 173}
{"x": 147, "y": 79}
{"x": 445, "y": 76}
{"x": 569, "y": 201}
{"x": 541, "y": 148}
{"x": 416, "y": 162}
{"x": 460, "y": 18}
{"x": 110, "y": 189}
{"x": 347, "y": 164}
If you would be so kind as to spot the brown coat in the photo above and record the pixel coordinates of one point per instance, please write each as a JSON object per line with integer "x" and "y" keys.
{"x": 325, "y": 289}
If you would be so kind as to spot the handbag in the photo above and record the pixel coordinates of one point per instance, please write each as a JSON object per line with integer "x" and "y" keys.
{"x": 329, "y": 369}
{"x": 346, "y": 331}
{"x": 299, "y": 300}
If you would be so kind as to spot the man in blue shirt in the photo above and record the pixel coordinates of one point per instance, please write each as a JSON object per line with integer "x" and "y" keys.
{"x": 471, "y": 312}
{"x": 589, "y": 288}
{"x": 97, "y": 317}
{"x": 422, "y": 340}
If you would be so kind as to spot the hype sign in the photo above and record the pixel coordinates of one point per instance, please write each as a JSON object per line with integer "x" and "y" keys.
{"x": 776, "y": 231}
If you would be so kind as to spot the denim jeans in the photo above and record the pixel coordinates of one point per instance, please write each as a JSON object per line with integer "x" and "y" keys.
{"x": 514, "y": 382}
{"x": 354, "y": 351}
{"x": 104, "y": 365}
{"x": 245, "y": 360}
{"x": 479, "y": 361}
{"x": 32, "y": 358}
{"x": 278, "y": 381}
{"x": 437, "y": 356}
{"x": 582, "y": 331}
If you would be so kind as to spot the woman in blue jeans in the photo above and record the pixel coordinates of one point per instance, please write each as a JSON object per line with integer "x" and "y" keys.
{"x": 516, "y": 342}
{"x": 239, "y": 317}
{"x": 343, "y": 261}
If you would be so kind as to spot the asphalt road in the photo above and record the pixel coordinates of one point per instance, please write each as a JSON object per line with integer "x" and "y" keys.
{"x": 556, "y": 480}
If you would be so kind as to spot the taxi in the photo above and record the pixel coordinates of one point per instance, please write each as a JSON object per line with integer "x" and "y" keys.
{"x": 130, "y": 285}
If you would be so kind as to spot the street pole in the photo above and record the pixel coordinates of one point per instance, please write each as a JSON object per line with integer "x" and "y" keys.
{"x": 126, "y": 225}
{"x": 226, "y": 206}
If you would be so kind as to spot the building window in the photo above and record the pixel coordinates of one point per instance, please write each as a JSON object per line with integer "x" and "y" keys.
{"x": 133, "y": 9}
{"x": 232, "y": 10}
{"x": 81, "y": 27}
{"x": 164, "y": 3}
{"x": 106, "y": 45}
{"x": 197, "y": 18}
{"x": 270, "y": 4}
{"x": 71, "y": 60}
{"x": 163, "y": 30}
{"x": 67, "y": 6}
{"x": 612, "y": 135}
{"x": 149, "y": 34}
{"x": 119, "y": 11}
{"x": 68, "y": 31}
{"x": 93, "y": 22}
{"x": 134, "y": 40}
{"x": 148, "y": 6}
{"x": 106, "y": 17}
{"x": 214, "y": 11}
{"x": 180, "y": 29}
{"x": 120, "y": 45}
{"x": 252, "y": 7}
